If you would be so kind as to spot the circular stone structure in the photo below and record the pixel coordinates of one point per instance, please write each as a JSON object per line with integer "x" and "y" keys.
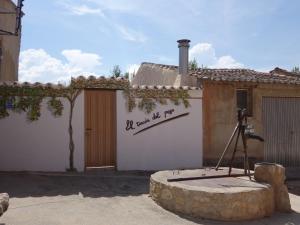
{"x": 226, "y": 199}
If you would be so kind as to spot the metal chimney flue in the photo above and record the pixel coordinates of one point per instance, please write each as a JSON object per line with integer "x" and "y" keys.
{"x": 183, "y": 46}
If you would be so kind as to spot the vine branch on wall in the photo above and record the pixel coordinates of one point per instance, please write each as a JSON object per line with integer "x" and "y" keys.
{"x": 27, "y": 98}
{"x": 72, "y": 98}
{"x": 147, "y": 99}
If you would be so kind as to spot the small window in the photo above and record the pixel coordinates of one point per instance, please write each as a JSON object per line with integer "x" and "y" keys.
{"x": 244, "y": 100}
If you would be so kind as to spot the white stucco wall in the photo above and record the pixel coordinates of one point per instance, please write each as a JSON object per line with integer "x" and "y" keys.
{"x": 42, "y": 145}
{"x": 176, "y": 144}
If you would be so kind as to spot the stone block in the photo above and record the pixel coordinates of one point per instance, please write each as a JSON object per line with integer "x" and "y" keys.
{"x": 274, "y": 174}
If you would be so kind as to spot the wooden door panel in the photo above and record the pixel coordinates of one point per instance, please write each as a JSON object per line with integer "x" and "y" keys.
{"x": 100, "y": 125}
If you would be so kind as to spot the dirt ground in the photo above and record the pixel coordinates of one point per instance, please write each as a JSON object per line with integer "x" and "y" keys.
{"x": 108, "y": 199}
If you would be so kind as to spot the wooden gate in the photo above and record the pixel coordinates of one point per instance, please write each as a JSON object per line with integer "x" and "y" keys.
{"x": 100, "y": 128}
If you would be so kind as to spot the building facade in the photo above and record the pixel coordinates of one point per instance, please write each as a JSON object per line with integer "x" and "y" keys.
{"x": 272, "y": 109}
{"x": 270, "y": 98}
{"x": 9, "y": 41}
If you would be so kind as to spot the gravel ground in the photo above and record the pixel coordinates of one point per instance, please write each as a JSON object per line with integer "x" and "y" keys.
{"x": 111, "y": 199}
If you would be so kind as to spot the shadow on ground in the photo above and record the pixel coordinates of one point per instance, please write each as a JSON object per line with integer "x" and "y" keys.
{"x": 294, "y": 187}
{"x": 277, "y": 218}
{"x": 32, "y": 185}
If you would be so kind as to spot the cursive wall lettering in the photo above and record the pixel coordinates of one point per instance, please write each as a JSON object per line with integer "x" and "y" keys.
{"x": 167, "y": 116}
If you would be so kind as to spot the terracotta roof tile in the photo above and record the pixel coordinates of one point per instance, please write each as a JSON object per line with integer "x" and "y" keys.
{"x": 246, "y": 75}
{"x": 99, "y": 82}
{"x": 162, "y": 87}
{"x": 27, "y": 84}
{"x": 164, "y": 66}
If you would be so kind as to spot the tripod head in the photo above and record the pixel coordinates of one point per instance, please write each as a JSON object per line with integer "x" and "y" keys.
{"x": 242, "y": 116}
{"x": 247, "y": 128}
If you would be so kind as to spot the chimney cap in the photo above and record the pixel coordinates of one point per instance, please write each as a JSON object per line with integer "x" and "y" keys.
{"x": 181, "y": 41}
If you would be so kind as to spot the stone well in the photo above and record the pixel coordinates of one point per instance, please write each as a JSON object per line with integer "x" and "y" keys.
{"x": 227, "y": 199}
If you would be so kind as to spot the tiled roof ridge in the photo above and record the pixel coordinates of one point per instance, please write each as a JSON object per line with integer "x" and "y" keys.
{"x": 164, "y": 87}
{"x": 204, "y": 69}
{"x": 29, "y": 84}
{"x": 58, "y": 86}
{"x": 246, "y": 76}
{"x": 240, "y": 71}
{"x": 165, "y": 66}
{"x": 227, "y": 70}
{"x": 283, "y": 71}
{"x": 53, "y": 85}
{"x": 98, "y": 78}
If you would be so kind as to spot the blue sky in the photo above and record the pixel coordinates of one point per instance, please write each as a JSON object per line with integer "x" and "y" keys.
{"x": 63, "y": 38}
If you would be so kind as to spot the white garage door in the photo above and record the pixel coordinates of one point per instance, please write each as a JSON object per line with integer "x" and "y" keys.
{"x": 281, "y": 123}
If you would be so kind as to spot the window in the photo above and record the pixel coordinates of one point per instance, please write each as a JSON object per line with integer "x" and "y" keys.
{"x": 244, "y": 100}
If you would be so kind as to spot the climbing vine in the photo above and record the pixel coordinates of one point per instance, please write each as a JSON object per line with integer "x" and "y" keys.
{"x": 55, "y": 106}
{"x": 147, "y": 99}
{"x": 27, "y": 98}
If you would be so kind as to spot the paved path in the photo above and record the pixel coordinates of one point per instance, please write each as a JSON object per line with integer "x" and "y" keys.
{"x": 94, "y": 200}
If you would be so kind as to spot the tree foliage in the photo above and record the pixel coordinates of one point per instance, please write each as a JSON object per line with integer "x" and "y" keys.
{"x": 116, "y": 72}
{"x": 126, "y": 75}
{"x": 193, "y": 65}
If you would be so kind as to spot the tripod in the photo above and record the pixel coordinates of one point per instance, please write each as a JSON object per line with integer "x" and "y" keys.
{"x": 240, "y": 131}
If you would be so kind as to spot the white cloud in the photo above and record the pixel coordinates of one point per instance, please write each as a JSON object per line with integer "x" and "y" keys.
{"x": 100, "y": 9}
{"x": 84, "y": 10}
{"x": 205, "y": 55}
{"x": 120, "y": 5}
{"x": 131, "y": 35}
{"x": 36, "y": 65}
{"x": 81, "y": 10}
{"x": 86, "y": 61}
{"x": 227, "y": 62}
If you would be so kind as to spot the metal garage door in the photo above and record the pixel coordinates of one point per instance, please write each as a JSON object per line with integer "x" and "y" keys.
{"x": 281, "y": 123}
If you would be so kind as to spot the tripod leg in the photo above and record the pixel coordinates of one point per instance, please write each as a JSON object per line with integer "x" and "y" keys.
{"x": 234, "y": 150}
{"x": 227, "y": 146}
